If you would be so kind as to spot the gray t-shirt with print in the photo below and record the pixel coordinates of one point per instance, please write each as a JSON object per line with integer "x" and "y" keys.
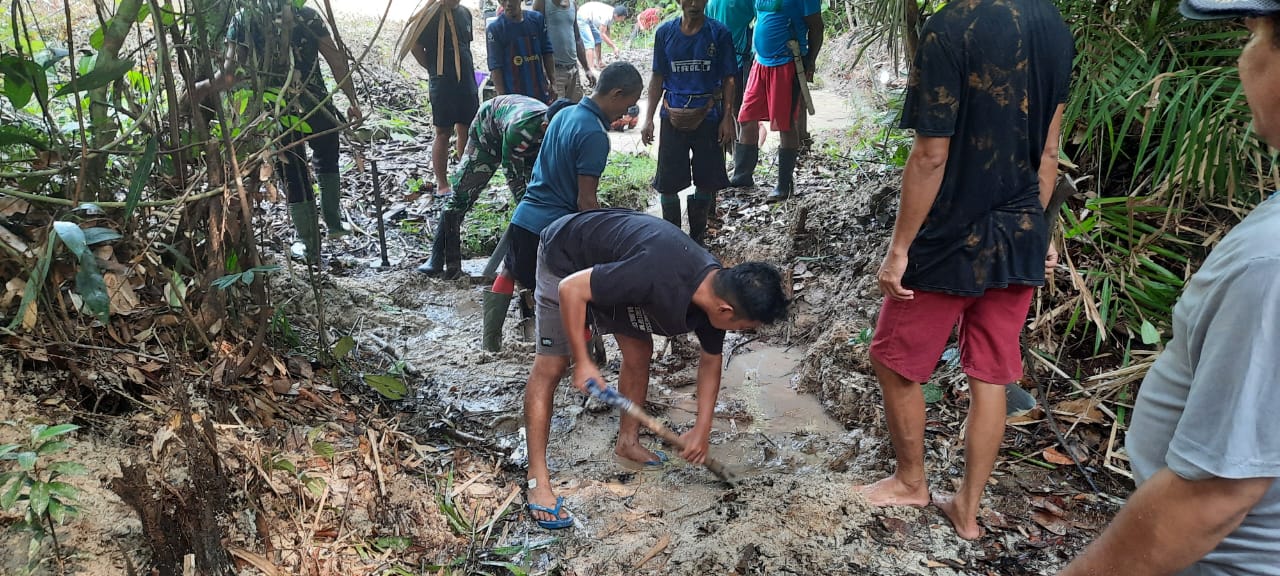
{"x": 1208, "y": 406}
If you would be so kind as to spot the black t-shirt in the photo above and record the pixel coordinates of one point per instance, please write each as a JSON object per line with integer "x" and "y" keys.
{"x": 260, "y": 32}
{"x": 990, "y": 75}
{"x": 430, "y": 39}
{"x": 644, "y": 272}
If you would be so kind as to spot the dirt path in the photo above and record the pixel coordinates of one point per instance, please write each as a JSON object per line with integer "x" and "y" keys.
{"x": 799, "y": 454}
{"x": 798, "y": 417}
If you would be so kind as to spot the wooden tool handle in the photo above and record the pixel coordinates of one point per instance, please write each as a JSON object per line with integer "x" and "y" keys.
{"x": 800, "y": 76}
{"x": 671, "y": 438}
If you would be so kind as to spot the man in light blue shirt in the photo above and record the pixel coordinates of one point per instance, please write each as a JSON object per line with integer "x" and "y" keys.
{"x": 566, "y": 175}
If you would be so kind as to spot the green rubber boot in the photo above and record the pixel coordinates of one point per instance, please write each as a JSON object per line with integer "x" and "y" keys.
{"x": 495, "y": 314}
{"x": 330, "y": 196}
{"x": 699, "y": 207}
{"x": 306, "y": 223}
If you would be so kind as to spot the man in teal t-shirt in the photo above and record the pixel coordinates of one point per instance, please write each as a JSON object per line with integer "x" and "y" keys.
{"x": 737, "y": 16}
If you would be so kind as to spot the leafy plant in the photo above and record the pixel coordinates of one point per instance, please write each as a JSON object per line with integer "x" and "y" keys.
{"x": 390, "y": 387}
{"x": 314, "y": 484}
{"x": 245, "y": 277}
{"x": 485, "y": 224}
{"x": 280, "y": 325}
{"x": 35, "y": 489}
{"x": 627, "y": 181}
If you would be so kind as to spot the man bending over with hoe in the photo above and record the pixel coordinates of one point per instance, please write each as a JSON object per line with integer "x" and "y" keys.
{"x": 600, "y": 266}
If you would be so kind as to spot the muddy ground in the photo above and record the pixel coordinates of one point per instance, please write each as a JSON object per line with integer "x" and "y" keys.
{"x": 432, "y": 481}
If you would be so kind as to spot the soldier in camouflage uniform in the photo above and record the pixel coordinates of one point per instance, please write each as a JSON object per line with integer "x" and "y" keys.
{"x": 506, "y": 132}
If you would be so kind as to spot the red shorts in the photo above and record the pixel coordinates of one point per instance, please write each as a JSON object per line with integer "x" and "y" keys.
{"x": 911, "y": 334}
{"x": 771, "y": 95}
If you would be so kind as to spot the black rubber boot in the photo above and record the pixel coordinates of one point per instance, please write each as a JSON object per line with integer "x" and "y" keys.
{"x": 452, "y": 245}
{"x": 446, "y": 250}
{"x": 786, "y": 173}
{"x": 434, "y": 266}
{"x": 671, "y": 208}
{"x": 698, "y": 209}
{"x": 745, "y": 158}
{"x": 495, "y": 314}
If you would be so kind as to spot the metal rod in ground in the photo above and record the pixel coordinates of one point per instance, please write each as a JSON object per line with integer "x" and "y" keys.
{"x": 377, "y": 202}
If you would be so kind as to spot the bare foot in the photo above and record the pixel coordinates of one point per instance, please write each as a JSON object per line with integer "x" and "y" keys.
{"x": 966, "y": 525}
{"x": 892, "y": 491}
{"x": 543, "y": 496}
{"x": 635, "y": 453}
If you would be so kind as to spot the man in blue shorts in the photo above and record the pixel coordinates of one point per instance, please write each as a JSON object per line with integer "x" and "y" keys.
{"x": 521, "y": 58}
{"x": 693, "y": 70}
{"x": 598, "y": 16}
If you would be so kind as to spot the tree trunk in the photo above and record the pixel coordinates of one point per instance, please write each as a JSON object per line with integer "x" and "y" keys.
{"x": 912, "y": 31}
{"x": 102, "y": 124}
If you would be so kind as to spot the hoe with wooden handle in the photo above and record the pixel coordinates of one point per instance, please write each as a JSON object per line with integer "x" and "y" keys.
{"x": 613, "y": 399}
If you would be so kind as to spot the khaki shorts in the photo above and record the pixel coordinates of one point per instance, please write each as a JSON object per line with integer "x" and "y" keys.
{"x": 546, "y": 297}
{"x": 568, "y": 83}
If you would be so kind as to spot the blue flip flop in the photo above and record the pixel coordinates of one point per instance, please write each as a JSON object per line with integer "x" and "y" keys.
{"x": 557, "y": 524}
{"x": 657, "y": 464}
{"x": 649, "y": 466}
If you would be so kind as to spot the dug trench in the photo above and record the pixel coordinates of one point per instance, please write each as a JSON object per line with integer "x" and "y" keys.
{"x": 328, "y": 476}
{"x": 798, "y": 417}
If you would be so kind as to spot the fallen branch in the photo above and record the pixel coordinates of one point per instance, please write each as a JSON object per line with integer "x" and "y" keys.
{"x": 653, "y": 552}
{"x": 1053, "y": 425}
{"x": 149, "y": 204}
{"x": 729, "y": 357}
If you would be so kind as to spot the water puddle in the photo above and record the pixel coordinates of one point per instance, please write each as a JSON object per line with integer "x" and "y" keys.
{"x": 761, "y": 419}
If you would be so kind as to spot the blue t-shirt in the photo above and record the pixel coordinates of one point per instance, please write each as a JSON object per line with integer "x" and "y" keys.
{"x": 693, "y": 67}
{"x": 576, "y": 144}
{"x": 517, "y": 49}
{"x": 778, "y": 21}
{"x": 736, "y": 15}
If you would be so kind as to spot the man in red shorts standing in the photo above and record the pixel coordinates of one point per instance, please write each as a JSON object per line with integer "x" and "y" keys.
{"x": 773, "y": 89}
{"x": 969, "y": 246}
